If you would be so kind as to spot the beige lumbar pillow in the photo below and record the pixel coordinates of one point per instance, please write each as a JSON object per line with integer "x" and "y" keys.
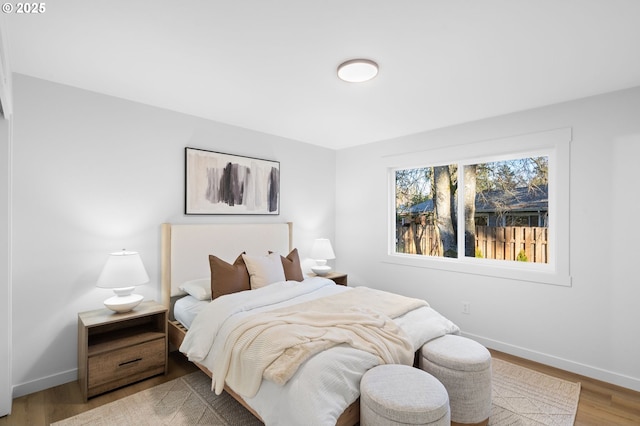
{"x": 264, "y": 270}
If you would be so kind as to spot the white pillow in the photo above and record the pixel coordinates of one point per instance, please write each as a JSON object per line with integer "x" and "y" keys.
{"x": 200, "y": 288}
{"x": 264, "y": 270}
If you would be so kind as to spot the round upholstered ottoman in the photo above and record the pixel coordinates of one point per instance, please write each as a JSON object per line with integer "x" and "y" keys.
{"x": 464, "y": 368}
{"x": 393, "y": 394}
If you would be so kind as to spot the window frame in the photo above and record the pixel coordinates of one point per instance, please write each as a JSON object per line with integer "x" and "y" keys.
{"x": 555, "y": 144}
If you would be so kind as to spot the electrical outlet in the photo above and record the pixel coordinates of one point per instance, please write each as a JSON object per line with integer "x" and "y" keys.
{"x": 466, "y": 308}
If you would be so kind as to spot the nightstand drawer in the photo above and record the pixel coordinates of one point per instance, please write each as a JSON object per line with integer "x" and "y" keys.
{"x": 130, "y": 363}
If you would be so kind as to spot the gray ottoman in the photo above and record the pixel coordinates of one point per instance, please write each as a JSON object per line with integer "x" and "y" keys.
{"x": 393, "y": 394}
{"x": 464, "y": 368}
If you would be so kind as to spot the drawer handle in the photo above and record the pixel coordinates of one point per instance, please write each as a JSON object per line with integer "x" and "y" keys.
{"x": 129, "y": 362}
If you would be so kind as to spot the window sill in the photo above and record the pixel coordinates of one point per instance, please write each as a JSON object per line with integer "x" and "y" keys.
{"x": 510, "y": 270}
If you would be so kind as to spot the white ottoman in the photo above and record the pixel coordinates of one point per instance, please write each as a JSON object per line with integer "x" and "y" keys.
{"x": 464, "y": 368}
{"x": 392, "y": 394}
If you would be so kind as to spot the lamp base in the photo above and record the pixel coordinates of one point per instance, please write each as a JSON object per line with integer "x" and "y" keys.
{"x": 123, "y": 303}
{"x": 321, "y": 270}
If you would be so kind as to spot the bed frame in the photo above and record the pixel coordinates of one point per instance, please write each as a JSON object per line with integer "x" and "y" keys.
{"x": 184, "y": 256}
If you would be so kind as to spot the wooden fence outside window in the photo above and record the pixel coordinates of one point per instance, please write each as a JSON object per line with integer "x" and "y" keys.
{"x": 525, "y": 243}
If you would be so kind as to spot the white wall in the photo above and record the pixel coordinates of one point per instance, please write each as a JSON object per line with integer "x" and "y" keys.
{"x": 590, "y": 328}
{"x": 5, "y": 266}
{"x": 95, "y": 174}
{"x": 6, "y": 142}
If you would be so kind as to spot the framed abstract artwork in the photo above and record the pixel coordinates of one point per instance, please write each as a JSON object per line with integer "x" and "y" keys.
{"x": 217, "y": 183}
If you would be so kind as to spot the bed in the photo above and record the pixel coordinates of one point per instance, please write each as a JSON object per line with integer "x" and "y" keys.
{"x": 331, "y": 375}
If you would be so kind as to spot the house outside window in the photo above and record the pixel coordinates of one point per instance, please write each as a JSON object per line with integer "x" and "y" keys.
{"x": 495, "y": 210}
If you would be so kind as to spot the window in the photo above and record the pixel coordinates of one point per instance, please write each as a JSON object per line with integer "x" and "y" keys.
{"x": 495, "y": 210}
{"x": 505, "y": 212}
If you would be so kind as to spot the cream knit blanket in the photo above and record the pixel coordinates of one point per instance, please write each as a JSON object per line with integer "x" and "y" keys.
{"x": 274, "y": 344}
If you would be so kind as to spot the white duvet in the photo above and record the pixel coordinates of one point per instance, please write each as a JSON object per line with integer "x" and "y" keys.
{"x": 327, "y": 383}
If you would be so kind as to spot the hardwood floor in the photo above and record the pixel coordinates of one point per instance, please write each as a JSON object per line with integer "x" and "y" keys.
{"x": 600, "y": 403}
{"x": 60, "y": 402}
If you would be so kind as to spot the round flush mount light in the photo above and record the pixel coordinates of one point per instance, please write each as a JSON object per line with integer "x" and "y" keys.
{"x": 357, "y": 70}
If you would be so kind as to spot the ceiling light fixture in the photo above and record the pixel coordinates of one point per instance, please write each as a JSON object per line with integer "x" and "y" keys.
{"x": 357, "y": 70}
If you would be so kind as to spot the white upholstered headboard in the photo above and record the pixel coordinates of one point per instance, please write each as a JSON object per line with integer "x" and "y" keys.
{"x": 186, "y": 248}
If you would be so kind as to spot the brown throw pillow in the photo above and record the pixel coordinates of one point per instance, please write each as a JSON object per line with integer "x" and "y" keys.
{"x": 291, "y": 265}
{"x": 226, "y": 278}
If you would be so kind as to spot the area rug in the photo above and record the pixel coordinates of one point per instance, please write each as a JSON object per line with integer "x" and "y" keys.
{"x": 520, "y": 397}
{"x": 525, "y": 397}
{"x": 187, "y": 400}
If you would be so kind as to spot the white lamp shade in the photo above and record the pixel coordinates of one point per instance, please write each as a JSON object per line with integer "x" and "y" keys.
{"x": 122, "y": 272}
{"x": 123, "y": 269}
{"x": 322, "y": 250}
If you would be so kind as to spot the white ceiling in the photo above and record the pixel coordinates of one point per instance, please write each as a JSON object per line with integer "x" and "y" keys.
{"x": 271, "y": 65}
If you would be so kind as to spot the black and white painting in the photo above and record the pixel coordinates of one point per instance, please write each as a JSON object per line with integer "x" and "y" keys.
{"x": 217, "y": 183}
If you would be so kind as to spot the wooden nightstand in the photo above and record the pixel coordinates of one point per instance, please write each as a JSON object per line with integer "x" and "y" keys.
{"x": 339, "y": 278}
{"x": 117, "y": 349}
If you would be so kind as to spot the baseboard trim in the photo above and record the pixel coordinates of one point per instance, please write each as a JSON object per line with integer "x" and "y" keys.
{"x": 607, "y": 376}
{"x": 45, "y": 383}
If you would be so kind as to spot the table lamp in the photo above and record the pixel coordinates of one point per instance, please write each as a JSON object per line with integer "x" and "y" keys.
{"x": 321, "y": 250}
{"x": 122, "y": 272}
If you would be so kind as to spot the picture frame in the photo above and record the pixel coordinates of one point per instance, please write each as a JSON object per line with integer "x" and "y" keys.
{"x": 219, "y": 183}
